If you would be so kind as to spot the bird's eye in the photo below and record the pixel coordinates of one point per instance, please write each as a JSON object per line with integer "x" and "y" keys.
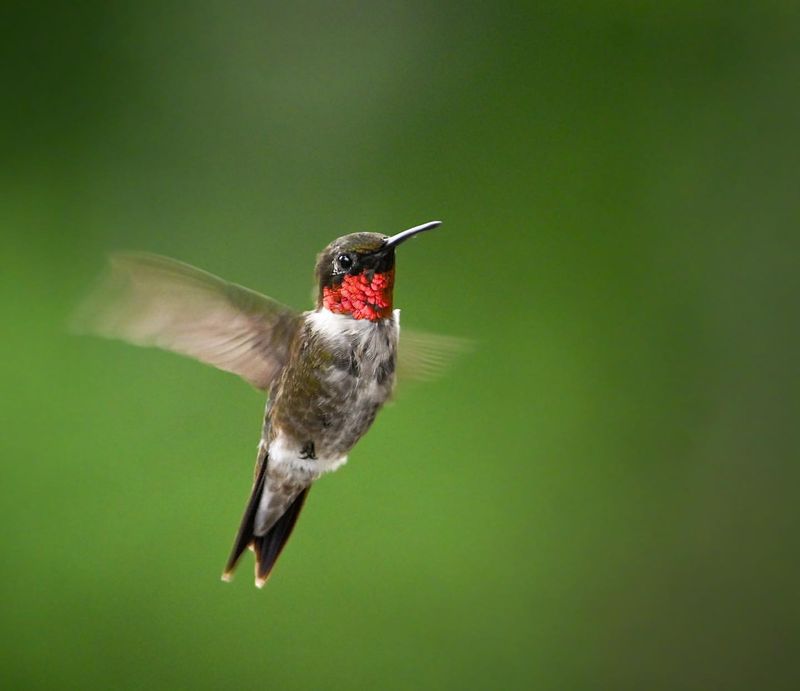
{"x": 345, "y": 261}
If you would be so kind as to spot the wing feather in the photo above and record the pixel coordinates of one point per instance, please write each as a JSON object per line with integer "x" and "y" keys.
{"x": 423, "y": 356}
{"x": 151, "y": 300}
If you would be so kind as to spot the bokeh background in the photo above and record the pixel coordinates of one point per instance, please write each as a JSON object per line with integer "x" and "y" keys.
{"x": 602, "y": 495}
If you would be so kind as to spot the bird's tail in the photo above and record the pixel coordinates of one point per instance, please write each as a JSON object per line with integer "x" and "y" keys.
{"x": 267, "y": 547}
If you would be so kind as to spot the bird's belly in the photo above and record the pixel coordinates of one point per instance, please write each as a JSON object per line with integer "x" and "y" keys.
{"x": 330, "y": 429}
{"x": 289, "y": 457}
{"x": 330, "y": 394}
{"x": 353, "y": 418}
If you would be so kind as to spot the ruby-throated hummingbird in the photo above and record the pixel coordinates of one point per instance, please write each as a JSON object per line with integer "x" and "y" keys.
{"x": 327, "y": 371}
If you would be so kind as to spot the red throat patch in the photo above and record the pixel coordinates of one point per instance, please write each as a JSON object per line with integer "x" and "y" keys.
{"x": 361, "y": 297}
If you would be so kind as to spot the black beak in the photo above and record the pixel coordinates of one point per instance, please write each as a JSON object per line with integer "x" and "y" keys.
{"x": 402, "y": 237}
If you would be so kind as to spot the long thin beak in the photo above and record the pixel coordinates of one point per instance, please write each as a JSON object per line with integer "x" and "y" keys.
{"x": 402, "y": 237}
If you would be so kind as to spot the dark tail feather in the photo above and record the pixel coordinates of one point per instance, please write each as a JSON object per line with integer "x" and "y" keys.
{"x": 244, "y": 538}
{"x": 268, "y": 547}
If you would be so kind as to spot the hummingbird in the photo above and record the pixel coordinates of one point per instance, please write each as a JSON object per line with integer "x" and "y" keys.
{"x": 327, "y": 371}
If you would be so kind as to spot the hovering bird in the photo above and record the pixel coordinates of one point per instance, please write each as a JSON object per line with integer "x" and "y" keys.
{"x": 327, "y": 371}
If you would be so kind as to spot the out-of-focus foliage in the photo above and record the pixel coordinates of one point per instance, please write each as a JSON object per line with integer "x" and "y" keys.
{"x": 602, "y": 495}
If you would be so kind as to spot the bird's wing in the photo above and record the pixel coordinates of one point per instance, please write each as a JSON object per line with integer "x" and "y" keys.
{"x": 155, "y": 301}
{"x": 423, "y": 356}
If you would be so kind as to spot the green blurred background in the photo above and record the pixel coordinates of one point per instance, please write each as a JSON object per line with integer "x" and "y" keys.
{"x": 603, "y": 495}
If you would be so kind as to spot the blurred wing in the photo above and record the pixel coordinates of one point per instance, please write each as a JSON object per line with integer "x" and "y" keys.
{"x": 155, "y": 301}
{"x": 423, "y": 356}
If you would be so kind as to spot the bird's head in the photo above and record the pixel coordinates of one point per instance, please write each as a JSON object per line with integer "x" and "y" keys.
{"x": 355, "y": 273}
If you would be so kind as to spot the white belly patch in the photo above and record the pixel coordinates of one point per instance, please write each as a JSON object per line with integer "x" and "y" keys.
{"x": 287, "y": 454}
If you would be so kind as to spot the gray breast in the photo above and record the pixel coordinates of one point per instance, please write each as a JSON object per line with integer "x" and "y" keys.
{"x": 360, "y": 377}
